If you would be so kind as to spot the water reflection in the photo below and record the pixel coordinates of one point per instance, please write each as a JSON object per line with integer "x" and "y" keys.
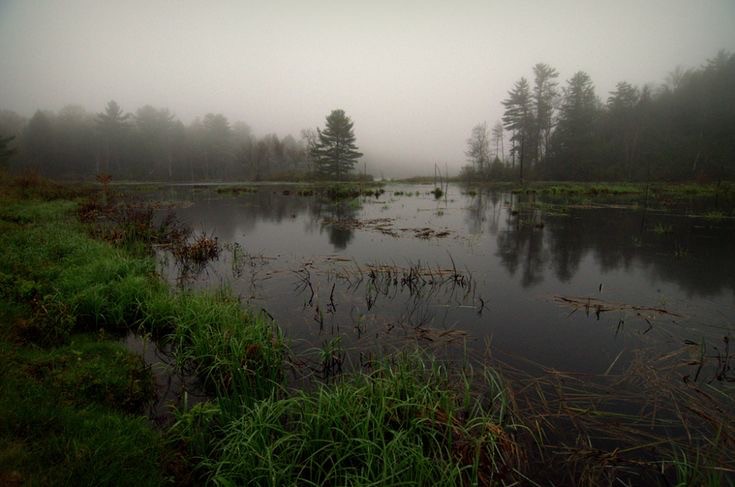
{"x": 339, "y": 213}
{"x": 694, "y": 253}
{"x": 518, "y": 251}
{"x": 232, "y": 217}
{"x": 530, "y": 243}
{"x": 521, "y": 244}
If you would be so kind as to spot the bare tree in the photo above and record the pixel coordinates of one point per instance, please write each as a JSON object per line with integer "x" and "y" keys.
{"x": 311, "y": 140}
{"x": 498, "y": 136}
{"x": 478, "y": 147}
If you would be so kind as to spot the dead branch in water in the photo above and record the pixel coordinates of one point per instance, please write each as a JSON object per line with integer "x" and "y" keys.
{"x": 599, "y": 306}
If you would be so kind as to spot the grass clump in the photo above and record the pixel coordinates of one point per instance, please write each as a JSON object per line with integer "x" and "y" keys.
{"x": 697, "y": 469}
{"x": 403, "y": 423}
{"x": 233, "y": 351}
{"x": 339, "y": 191}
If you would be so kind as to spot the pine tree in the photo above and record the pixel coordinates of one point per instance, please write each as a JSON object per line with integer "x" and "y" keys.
{"x": 335, "y": 154}
{"x": 112, "y": 125}
{"x": 518, "y": 118}
{"x": 544, "y": 93}
{"x": 574, "y": 148}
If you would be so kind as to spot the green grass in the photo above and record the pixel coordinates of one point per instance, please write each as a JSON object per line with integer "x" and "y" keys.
{"x": 49, "y": 259}
{"x": 73, "y": 414}
{"x": 341, "y": 190}
{"x": 233, "y": 351}
{"x": 72, "y": 402}
{"x": 404, "y": 423}
{"x": 82, "y": 284}
{"x": 698, "y": 470}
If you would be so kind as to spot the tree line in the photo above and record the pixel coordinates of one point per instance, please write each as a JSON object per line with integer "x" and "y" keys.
{"x": 682, "y": 130}
{"x": 152, "y": 144}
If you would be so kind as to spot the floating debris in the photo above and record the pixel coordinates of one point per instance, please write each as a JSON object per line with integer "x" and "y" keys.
{"x": 598, "y": 306}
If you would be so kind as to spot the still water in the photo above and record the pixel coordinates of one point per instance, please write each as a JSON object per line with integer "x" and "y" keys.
{"x": 566, "y": 286}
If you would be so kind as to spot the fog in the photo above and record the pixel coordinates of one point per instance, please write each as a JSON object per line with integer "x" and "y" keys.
{"x": 415, "y": 77}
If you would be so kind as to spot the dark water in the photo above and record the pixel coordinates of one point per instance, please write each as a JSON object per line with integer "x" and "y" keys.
{"x": 492, "y": 279}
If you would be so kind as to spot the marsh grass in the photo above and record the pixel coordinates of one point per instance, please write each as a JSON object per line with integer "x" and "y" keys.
{"x": 338, "y": 191}
{"x": 649, "y": 423}
{"x": 686, "y": 197}
{"x": 232, "y": 351}
{"x": 405, "y": 422}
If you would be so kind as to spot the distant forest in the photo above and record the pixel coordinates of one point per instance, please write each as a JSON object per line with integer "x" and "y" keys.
{"x": 149, "y": 144}
{"x": 683, "y": 130}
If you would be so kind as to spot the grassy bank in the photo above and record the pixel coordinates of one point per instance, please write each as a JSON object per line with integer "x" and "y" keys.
{"x": 74, "y": 399}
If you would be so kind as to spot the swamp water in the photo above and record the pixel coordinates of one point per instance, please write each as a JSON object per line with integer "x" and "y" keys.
{"x": 611, "y": 323}
{"x": 560, "y": 286}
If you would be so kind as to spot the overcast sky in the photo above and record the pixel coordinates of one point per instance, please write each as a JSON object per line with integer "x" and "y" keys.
{"x": 415, "y": 76}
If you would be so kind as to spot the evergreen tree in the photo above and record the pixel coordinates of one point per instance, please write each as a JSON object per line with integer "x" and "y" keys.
{"x": 155, "y": 133}
{"x": 544, "y": 94}
{"x": 574, "y": 148}
{"x": 219, "y": 151}
{"x": 335, "y": 154}
{"x": 623, "y": 128}
{"x": 113, "y": 126}
{"x": 39, "y": 142}
{"x": 518, "y": 118}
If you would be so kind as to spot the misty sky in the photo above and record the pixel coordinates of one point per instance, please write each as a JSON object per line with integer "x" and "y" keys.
{"x": 415, "y": 76}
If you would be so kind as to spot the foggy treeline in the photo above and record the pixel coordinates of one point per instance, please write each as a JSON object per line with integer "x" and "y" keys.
{"x": 149, "y": 144}
{"x": 682, "y": 130}
{"x": 550, "y": 130}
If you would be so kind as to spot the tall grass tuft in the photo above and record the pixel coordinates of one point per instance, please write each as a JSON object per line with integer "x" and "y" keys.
{"x": 405, "y": 422}
{"x": 233, "y": 351}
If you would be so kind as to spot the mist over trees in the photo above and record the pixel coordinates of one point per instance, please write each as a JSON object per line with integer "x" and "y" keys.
{"x": 552, "y": 128}
{"x": 147, "y": 144}
{"x": 683, "y": 130}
